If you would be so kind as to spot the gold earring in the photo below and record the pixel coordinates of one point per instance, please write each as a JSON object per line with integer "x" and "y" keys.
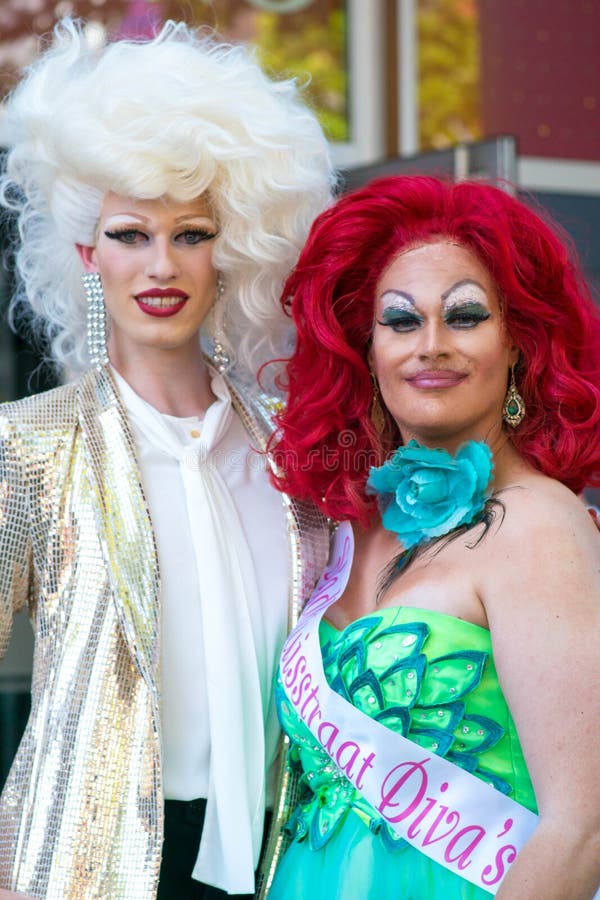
{"x": 376, "y": 413}
{"x": 513, "y": 411}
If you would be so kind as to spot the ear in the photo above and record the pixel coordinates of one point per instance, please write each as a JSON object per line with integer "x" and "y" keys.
{"x": 513, "y": 355}
{"x": 88, "y": 257}
{"x": 370, "y": 356}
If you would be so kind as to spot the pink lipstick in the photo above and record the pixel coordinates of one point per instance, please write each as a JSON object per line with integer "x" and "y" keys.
{"x": 436, "y": 379}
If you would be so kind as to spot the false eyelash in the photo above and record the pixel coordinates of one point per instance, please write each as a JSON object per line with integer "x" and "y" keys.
{"x": 204, "y": 235}
{"x": 464, "y": 316}
{"x": 119, "y": 231}
{"x": 392, "y": 319}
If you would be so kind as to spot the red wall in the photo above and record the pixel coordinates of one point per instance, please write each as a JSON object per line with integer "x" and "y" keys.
{"x": 541, "y": 75}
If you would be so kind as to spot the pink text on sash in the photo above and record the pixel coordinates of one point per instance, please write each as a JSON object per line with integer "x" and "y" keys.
{"x": 445, "y": 812}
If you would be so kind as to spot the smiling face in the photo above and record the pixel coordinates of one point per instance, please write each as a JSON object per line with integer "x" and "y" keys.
{"x": 440, "y": 351}
{"x": 155, "y": 261}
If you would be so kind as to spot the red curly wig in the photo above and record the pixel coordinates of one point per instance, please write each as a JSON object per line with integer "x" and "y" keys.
{"x": 325, "y": 441}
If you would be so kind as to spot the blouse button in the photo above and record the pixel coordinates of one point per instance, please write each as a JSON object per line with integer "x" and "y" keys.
{"x": 195, "y": 433}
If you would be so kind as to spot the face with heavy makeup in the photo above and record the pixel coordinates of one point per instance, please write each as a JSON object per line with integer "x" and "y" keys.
{"x": 155, "y": 261}
{"x": 440, "y": 350}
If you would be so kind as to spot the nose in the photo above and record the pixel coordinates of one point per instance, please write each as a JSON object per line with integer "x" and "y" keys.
{"x": 162, "y": 264}
{"x": 433, "y": 340}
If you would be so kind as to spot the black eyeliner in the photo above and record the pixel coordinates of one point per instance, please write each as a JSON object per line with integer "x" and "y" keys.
{"x": 204, "y": 234}
{"x": 120, "y": 231}
{"x": 472, "y": 310}
{"x": 392, "y": 316}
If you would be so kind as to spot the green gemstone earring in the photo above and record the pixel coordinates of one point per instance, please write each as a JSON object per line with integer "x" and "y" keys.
{"x": 513, "y": 411}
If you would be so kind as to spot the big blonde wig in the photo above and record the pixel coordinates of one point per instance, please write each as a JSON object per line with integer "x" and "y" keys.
{"x": 178, "y": 115}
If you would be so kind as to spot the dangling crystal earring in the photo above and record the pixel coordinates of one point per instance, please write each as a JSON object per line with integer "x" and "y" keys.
{"x": 220, "y": 358}
{"x": 376, "y": 412}
{"x": 513, "y": 411}
{"x": 96, "y": 320}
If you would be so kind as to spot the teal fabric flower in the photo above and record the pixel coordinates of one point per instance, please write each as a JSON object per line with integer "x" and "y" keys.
{"x": 424, "y": 493}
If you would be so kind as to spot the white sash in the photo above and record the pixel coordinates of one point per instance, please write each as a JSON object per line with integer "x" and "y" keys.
{"x": 445, "y": 812}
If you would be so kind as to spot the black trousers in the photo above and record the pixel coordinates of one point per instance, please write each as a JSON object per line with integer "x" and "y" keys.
{"x": 183, "y": 829}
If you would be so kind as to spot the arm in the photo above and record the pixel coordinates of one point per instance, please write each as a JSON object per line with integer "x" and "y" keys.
{"x": 10, "y": 895}
{"x": 15, "y": 548}
{"x": 543, "y": 605}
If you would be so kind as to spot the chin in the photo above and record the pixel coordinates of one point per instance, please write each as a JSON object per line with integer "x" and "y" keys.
{"x": 437, "y": 433}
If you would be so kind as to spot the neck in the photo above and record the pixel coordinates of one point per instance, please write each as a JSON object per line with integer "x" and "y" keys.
{"x": 176, "y": 383}
{"x": 508, "y": 463}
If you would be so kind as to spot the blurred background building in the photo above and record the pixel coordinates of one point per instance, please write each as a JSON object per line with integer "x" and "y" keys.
{"x": 506, "y": 89}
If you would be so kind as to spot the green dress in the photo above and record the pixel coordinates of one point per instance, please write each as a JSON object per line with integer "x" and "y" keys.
{"x": 432, "y": 678}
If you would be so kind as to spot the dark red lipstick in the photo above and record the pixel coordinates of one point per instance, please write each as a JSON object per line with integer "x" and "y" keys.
{"x": 167, "y": 301}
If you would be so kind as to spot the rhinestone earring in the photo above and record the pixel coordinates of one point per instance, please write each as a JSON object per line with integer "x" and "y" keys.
{"x": 513, "y": 411}
{"x": 96, "y": 320}
{"x": 220, "y": 358}
{"x": 376, "y": 413}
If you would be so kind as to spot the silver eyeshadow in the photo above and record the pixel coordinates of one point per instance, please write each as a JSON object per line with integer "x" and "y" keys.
{"x": 397, "y": 300}
{"x": 466, "y": 292}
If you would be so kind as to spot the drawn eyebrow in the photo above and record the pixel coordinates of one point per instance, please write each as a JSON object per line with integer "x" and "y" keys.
{"x": 126, "y": 217}
{"x": 458, "y": 284}
{"x": 194, "y": 217}
{"x": 145, "y": 220}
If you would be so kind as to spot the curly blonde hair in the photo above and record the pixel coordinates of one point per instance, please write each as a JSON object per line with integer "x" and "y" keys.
{"x": 176, "y": 116}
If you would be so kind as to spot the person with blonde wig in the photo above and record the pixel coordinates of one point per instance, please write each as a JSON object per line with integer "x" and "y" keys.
{"x": 163, "y": 190}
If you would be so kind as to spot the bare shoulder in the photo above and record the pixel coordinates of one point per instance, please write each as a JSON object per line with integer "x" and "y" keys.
{"x": 541, "y": 512}
{"x": 543, "y": 559}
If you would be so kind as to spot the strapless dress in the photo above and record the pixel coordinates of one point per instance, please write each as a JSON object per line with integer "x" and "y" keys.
{"x": 430, "y": 677}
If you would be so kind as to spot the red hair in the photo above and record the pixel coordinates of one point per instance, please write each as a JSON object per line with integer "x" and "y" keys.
{"x": 326, "y": 442}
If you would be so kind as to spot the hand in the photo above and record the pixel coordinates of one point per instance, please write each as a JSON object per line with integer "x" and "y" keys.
{"x": 10, "y": 895}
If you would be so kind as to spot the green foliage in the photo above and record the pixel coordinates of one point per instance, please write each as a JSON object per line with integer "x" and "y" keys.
{"x": 314, "y": 52}
{"x": 449, "y": 97}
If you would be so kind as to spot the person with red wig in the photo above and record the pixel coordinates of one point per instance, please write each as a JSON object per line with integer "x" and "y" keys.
{"x": 440, "y": 689}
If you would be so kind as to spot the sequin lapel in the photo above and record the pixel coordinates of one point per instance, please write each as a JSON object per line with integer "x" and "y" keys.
{"x": 123, "y": 519}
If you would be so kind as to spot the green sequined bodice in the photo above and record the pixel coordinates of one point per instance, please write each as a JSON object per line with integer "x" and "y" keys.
{"x": 409, "y": 669}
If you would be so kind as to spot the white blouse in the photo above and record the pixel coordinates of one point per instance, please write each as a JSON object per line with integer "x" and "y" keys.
{"x": 223, "y": 556}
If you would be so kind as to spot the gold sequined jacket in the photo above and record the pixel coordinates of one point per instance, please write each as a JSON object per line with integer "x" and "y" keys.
{"x": 81, "y": 813}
